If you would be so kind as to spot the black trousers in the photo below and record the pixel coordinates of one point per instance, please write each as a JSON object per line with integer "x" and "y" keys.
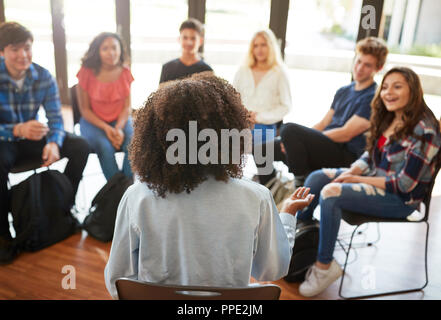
{"x": 278, "y": 156}
{"x": 75, "y": 148}
{"x": 308, "y": 150}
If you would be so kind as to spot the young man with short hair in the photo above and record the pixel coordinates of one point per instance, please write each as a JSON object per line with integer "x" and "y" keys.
{"x": 338, "y": 139}
{"x": 24, "y": 87}
{"x": 191, "y": 39}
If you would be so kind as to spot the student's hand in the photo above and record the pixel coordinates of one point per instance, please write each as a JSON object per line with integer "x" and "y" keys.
{"x": 112, "y": 135}
{"x": 347, "y": 177}
{"x": 119, "y": 138}
{"x": 282, "y": 147}
{"x": 51, "y": 153}
{"x": 32, "y": 130}
{"x": 298, "y": 200}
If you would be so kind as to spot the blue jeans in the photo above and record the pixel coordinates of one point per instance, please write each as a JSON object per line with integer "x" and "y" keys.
{"x": 100, "y": 144}
{"x": 358, "y": 197}
{"x": 263, "y": 137}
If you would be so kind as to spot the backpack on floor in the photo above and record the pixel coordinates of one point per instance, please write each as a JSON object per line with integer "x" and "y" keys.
{"x": 304, "y": 253}
{"x": 40, "y": 207}
{"x": 100, "y": 222}
{"x": 281, "y": 188}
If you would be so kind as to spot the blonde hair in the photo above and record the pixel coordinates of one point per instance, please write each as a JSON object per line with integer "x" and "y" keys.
{"x": 274, "y": 55}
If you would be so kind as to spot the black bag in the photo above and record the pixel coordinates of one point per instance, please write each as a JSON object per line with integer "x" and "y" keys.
{"x": 40, "y": 207}
{"x": 100, "y": 222}
{"x": 304, "y": 253}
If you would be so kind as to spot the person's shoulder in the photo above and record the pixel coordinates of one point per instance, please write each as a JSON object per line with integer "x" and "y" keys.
{"x": 138, "y": 190}
{"x": 85, "y": 72}
{"x": 40, "y": 72}
{"x": 248, "y": 186}
{"x": 369, "y": 92}
{"x": 243, "y": 69}
{"x": 426, "y": 127}
{"x": 346, "y": 88}
{"x": 281, "y": 70}
{"x": 204, "y": 65}
{"x": 171, "y": 63}
{"x": 127, "y": 73}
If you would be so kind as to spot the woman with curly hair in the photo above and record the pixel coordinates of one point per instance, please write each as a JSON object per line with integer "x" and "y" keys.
{"x": 389, "y": 180}
{"x": 103, "y": 92}
{"x": 197, "y": 223}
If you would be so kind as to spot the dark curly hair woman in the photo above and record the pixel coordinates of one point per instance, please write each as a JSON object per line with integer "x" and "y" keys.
{"x": 193, "y": 223}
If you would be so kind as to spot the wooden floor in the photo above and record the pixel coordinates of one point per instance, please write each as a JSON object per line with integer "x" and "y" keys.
{"x": 395, "y": 261}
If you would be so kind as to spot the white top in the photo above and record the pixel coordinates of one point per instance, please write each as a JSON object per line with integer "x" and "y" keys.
{"x": 20, "y": 82}
{"x": 270, "y": 99}
{"x": 218, "y": 235}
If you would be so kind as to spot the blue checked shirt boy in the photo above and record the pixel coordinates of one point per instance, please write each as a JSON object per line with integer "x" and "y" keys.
{"x": 21, "y": 105}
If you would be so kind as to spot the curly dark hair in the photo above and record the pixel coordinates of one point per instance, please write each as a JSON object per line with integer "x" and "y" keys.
{"x": 210, "y": 101}
{"x": 92, "y": 59}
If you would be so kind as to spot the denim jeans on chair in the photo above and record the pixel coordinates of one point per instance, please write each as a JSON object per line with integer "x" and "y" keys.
{"x": 358, "y": 197}
{"x": 104, "y": 149}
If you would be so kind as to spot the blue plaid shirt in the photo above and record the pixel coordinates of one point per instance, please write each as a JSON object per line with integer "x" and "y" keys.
{"x": 16, "y": 106}
{"x": 407, "y": 164}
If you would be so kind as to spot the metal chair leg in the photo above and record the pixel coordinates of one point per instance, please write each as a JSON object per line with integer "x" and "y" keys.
{"x": 389, "y": 292}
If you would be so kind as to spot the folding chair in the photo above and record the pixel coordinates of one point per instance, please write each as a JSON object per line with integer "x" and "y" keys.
{"x": 138, "y": 290}
{"x": 357, "y": 219}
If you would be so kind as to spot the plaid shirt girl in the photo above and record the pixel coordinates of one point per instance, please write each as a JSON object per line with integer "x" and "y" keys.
{"x": 408, "y": 164}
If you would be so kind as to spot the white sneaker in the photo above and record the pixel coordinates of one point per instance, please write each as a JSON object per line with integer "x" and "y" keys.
{"x": 317, "y": 280}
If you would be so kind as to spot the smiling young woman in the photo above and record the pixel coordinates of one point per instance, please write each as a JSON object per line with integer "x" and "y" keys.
{"x": 104, "y": 99}
{"x": 389, "y": 180}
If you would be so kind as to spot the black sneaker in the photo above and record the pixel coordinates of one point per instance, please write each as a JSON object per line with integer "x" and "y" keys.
{"x": 8, "y": 252}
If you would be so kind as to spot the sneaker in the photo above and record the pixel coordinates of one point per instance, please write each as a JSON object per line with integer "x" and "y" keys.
{"x": 8, "y": 252}
{"x": 317, "y": 280}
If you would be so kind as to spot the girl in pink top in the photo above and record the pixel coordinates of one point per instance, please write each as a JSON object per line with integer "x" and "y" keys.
{"x": 104, "y": 100}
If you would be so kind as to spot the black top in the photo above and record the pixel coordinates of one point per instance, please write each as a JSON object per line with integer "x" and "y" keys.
{"x": 175, "y": 69}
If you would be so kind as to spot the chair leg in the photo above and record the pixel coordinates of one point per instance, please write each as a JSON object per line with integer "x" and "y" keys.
{"x": 378, "y": 236}
{"x": 346, "y": 262}
{"x": 390, "y": 292}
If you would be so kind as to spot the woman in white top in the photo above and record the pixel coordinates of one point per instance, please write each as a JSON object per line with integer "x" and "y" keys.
{"x": 263, "y": 83}
{"x": 197, "y": 223}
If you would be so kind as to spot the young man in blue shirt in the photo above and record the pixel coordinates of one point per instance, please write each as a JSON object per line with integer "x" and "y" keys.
{"x": 24, "y": 87}
{"x": 338, "y": 139}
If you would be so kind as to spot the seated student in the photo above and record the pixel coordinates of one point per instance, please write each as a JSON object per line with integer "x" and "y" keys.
{"x": 263, "y": 83}
{"x": 104, "y": 100}
{"x": 197, "y": 224}
{"x": 338, "y": 139}
{"x": 191, "y": 39}
{"x": 24, "y": 87}
{"x": 389, "y": 180}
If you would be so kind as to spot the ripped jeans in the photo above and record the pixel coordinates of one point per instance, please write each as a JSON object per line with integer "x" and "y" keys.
{"x": 334, "y": 197}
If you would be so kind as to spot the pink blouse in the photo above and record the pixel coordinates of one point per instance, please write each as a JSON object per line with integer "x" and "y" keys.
{"x": 106, "y": 98}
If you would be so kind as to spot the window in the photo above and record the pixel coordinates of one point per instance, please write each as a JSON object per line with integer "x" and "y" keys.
{"x": 229, "y": 26}
{"x": 36, "y": 16}
{"x": 154, "y": 36}
{"x": 82, "y": 24}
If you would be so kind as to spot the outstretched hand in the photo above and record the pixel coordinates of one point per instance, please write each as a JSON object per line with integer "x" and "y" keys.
{"x": 298, "y": 200}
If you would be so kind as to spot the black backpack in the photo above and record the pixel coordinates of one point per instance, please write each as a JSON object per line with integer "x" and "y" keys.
{"x": 100, "y": 222}
{"x": 40, "y": 207}
{"x": 304, "y": 253}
